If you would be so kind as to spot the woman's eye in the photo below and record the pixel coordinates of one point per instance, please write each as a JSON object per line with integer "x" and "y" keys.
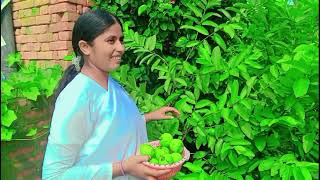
{"x": 111, "y": 41}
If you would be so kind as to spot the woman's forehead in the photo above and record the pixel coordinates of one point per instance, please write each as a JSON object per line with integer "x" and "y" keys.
{"x": 113, "y": 30}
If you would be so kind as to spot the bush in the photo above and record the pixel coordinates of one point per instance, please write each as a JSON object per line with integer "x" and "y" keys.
{"x": 23, "y": 93}
{"x": 244, "y": 74}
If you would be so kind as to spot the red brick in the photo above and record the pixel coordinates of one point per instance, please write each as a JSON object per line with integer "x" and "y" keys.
{"x": 18, "y": 46}
{"x": 65, "y": 35}
{"x": 16, "y": 15}
{"x": 60, "y": 45}
{"x": 17, "y": 23}
{"x": 61, "y": 26}
{"x": 44, "y": 10}
{"x": 68, "y": 16}
{"x": 55, "y": 18}
{"x": 44, "y": 19}
{"x": 79, "y": 9}
{"x": 31, "y": 47}
{"x": 62, "y": 54}
{"x": 45, "y": 46}
{"x": 55, "y": 37}
{"x": 45, "y": 37}
{"x": 26, "y": 38}
{"x": 23, "y": 5}
{"x": 40, "y": 29}
{"x": 82, "y": 2}
{"x": 41, "y": 2}
{"x": 28, "y": 21}
{"x": 29, "y": 55}
{"x": 34, "y": 29}
{"x": 17, "y": 32}
{"x": 62, "y": 7}
{"x": 45, "y": 55}
{"x": 25, "y": 13}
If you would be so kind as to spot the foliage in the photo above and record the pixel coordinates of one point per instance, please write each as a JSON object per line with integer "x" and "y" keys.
{"x": 25, "y": 90}
{"x": 244, "y": 74}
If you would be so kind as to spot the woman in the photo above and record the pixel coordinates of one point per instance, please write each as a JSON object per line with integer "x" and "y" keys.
{"x": 96, "y": 127}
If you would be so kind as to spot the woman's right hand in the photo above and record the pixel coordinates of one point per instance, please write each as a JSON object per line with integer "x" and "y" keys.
{"x": 133, "y": 166}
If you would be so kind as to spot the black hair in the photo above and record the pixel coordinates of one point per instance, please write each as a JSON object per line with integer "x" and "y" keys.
{"x": 87, "y": 27}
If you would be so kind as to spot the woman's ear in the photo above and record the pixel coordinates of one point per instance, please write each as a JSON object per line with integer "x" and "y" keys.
{"x": 84, "y": 47}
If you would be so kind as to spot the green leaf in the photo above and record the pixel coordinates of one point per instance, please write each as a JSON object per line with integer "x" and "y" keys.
{"x": 242, "y": 111}
{"x": 167, "y": 84}
{"x": 254, "y": 165}
{"x": 142, "y": 9}
{"x": 233, "y": 158}
{"x": 32, "y": 132}
{"x": 218, "y": 39}
{"x": 210, "y": 23}
{"x": 307, "y": 141}
{"x": 260, "y": 142}
{"x": 6, "y": 134}
{"x": 225, "y": 114}
{"x": 181, "y": 81}
{"x": 8, "y": 118}
{"x": 247, "y": 130}
{"x": 13, "y": 58}
{"x": 151, "y": 42}
{"x": 297, "y": 174}
{"x": 218, "y": 147}
{"x": 197, "y": 28}
{"x": 31, "y": 93}
{"x": 195, "y": 10}
{"x": 200, "y": 154}
{"x": 226, "y": 13}
{"x": 300, "y": 87}
{"x": 244, "y": 151}
{"x": 306, "y": 173}
{"x": 266, "y": 164}
{"x": 192, "y": 43}
{"x": 192, "y": 167}
{"x": 234, "y": 91}
{"x": 202, "y": 103}
{"x": 229, "y": 30}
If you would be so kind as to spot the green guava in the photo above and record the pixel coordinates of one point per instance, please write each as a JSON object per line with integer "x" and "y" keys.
{"x": 146, "y": 149}
{"x": 159, "y": 153}
{"x": 168, "y": 158}
{"x": 176, "y": 145}
{"x": 176, "y": 157}
{"x": 154, "y": 161}
{"x": 165, "y": 139}
{"x": 166, "y": 150}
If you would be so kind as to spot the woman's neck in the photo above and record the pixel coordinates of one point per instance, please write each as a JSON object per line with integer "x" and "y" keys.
{"x": 96, "y": 74}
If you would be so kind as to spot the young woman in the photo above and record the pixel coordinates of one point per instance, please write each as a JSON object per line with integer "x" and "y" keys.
{"x": 96, "y": 127}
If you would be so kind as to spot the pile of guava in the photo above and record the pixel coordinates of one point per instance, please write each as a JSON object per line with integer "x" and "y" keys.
{"x": 169, "y": 151}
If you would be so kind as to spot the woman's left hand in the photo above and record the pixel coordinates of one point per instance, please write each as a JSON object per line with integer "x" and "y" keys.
{"x": 161, "y": 113}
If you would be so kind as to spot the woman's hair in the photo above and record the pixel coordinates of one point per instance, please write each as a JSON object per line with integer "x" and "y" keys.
{"x": 87, "y": 27}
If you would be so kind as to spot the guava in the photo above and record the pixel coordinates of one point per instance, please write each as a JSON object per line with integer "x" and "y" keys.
{"x": 162, "y": 162}
{"x": 176, "y": 145}
{"x": 176, "y": 157}
{"x": 165, "y": 139}
{"x": 154, "y": 161}
{"x": 166, "y": 150}
{"x": 168, "y": 158}
{"x": 146, "y": 149}
{"x": 159, "y": 152}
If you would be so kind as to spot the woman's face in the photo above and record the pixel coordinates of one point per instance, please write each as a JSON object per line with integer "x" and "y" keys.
{"x": 107, "y": 49}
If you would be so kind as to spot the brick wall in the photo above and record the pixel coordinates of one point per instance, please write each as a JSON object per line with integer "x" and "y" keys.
{"x": 42, "y": 33}
{"x": 43, "y": 28}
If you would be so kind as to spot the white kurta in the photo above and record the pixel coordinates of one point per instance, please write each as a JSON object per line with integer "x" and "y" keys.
{"x": 91, "y": 128}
